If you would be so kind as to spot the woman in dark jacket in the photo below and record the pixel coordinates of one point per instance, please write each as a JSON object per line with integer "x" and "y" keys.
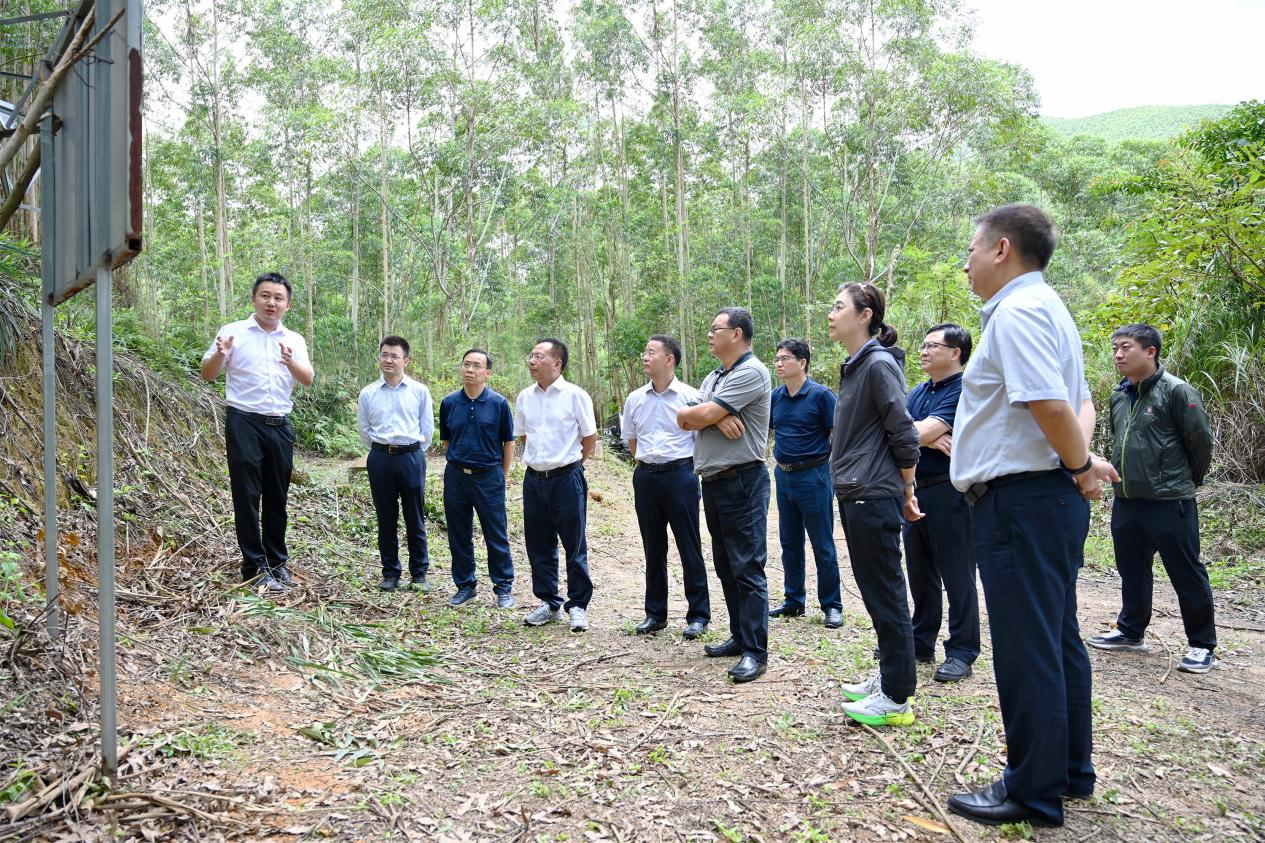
{"x": 872, "y": 459}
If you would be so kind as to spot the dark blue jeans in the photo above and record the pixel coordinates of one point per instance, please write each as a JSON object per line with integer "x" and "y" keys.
{"x": 805, "y": 503}
{"x": 464, "y": 495}
{"x": 556, "y": 508}
{"x": 939, "y": 554}
{"x": 398, "y": 481}
{"x": 872, "y": 529}
{"x": 663, "y": 499}
{"x": 1029, "y": 544}
{"x": 260, "y": 461}
{"x": 1139, "y": 528}
{"x": 737, "y": 510}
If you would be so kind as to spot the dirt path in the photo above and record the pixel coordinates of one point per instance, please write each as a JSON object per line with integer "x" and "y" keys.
{"x": 520, "y": 734}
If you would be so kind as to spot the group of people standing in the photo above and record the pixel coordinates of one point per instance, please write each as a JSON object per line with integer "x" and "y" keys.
{"x": 984, "y": 465}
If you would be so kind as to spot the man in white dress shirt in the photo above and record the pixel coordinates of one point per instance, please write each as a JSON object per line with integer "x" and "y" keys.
{"x": 665, "y": 488}
{"x": 263, "y": 359}
{"x": 555, "y": 420}
{"x": 396, "y": 423}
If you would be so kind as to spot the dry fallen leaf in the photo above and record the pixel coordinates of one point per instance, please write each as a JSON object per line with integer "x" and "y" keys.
{"x": 927, "y": 825}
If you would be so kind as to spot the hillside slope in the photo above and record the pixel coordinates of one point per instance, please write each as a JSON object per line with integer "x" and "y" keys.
{"x": 1147, "y": 122}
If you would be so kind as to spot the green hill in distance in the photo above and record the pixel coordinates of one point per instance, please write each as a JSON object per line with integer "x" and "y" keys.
{"x": 1146, "y": 122}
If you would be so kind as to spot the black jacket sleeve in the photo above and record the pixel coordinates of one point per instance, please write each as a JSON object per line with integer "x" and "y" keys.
{"x": 888, "y": 388}
{"x": 1186, "y": 408}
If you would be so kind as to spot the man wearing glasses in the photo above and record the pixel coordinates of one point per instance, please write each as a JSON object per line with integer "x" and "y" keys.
{"x": 938, "y": 551}
{"x": 477, "y": 426}
{"x": 803, "y": 414}
{"x": 555, "y": 419}
{"x": 395, "y": 421}
{"x": 665, "y": 488}
{"x": 732, "y": 418}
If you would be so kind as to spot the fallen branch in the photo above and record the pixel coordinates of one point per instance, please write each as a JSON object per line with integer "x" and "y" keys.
{"x": 666, "y": 714}
{"x": 966, "y": 759}
{"x": 932, "y": 802}
{"x": 1168, "y": 656}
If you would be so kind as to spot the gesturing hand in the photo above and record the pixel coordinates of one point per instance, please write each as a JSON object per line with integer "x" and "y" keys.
{"x": 287, "y": 354}
{"x": 223, "y": 345}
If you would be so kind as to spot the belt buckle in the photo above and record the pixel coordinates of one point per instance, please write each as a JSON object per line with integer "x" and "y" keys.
{"x": 465, "y": 470}
{"x": 393, "y": 449}
{"x": 274, "y": 421}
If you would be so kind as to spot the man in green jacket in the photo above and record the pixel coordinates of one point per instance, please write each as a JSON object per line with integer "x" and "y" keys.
{"x": 1162, "y": 447}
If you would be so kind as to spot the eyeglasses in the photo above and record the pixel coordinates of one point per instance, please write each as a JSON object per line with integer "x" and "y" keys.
{"x": 927, "y": 346}
{"x": 536, "y": 357}
{"x": 838, "y": 306}
{"x": 714, "y": 328}
{"x": 784, "y": 358}
{"x": 649, "y": 353}
{"x": 388, "y": 356}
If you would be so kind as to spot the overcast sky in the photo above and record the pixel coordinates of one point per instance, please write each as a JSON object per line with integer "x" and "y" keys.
{"x": 1089, "y": 56}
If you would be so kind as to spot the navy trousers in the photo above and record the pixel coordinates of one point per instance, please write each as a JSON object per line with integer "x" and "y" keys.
{"x": 464, "y": 495}
{"x": 1029, "y": 544}
{"x": 872, "y": 529}
{"x": 260, "y": 461}
{"x": 663, "y": 499}
{"x": 737, "y": 510}
{"x": 1139, "y": 528}
{"x": 939, "y": 555}
{"x": 555, "y": 509}
{"x": 805, "y": 504}
{"x": 398, "y": 482}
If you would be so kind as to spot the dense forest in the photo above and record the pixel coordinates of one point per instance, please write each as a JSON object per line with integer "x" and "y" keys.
{"x": 485, "y": 172}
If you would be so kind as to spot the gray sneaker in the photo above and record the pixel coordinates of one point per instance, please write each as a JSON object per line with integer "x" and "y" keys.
{"x": 1198, "y": 660}
{"x": 543, "y": 614}
{"x": 1116, "y": 640}
{"x": 505, "y": 601}
{"x": 579, "y": 619}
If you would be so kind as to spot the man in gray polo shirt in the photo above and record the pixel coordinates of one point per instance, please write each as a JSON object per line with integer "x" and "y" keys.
{"x": 732, "y": 417}
{"x": 1021, "y": 459}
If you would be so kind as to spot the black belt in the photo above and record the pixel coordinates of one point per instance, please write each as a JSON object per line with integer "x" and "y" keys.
{"x": 979, "y": 490}
{"x": 396, "y": 449}
{"x": 728, "y": 473}
{"x": 554, "y": 472}
{"x": 804, "y": 464}
{"x": 933, "y": 480}
{"x": 471, "y": 470}
{"x": 271, "y": 421}
{"x": 666, "y": 466}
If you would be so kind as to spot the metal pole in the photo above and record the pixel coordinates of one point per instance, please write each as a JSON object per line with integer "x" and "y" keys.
{"x": 48, "y": 266}
{"x": 105, "y": 522}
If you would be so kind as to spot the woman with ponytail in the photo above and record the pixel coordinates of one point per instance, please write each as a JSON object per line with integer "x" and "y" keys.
{"x": 872, "y": 461}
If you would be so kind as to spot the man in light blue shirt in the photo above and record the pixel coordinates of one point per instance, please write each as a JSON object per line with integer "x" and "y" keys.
{"x": 396, "y": 423}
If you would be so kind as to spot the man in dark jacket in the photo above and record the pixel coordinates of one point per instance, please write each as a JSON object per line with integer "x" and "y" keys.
{"x": 1162, "y": 447}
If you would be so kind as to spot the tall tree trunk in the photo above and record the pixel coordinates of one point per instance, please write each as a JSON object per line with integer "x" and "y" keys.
{"x": 386, "y": 215}
{"x": 806, "y": 200}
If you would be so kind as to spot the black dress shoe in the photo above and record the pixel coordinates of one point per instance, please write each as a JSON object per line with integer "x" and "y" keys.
{"x": 650, "y": 625}
{"x": 694, "y": 630}
{"x": 282, "y": 574}
{"x": 953, "y": 670}
{"x": 834, "y": 619}
{"x": 726, "y": 648}
{"x": 992, "y": 806}
{"x": 464, "y": 595}
{"x": 389, "y": 584}
{"x": 786, "y": 610}
{"x": 746, "y": 669}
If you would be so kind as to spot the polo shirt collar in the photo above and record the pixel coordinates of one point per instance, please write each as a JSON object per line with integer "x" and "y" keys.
{"x": 1028, "y": 279}
{"x": 956, "y": 376}
{"x": 804, "y": 388}
{"x": 480, "y": 398}
{"x": 746, "y": 355}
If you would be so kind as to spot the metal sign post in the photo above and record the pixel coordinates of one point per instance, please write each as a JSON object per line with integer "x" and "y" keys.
{"x": 105, "y": 522}
{"x": 51, "y": 588}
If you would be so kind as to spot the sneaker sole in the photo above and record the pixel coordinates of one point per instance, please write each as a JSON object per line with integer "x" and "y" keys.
{"x": 1128, "y": 648}
{"x": 906, "y": 719}
{"x": 538, "y": 623}
{"x": 579, "y": 629}
{"x": 1199, "y": 670}
{"x": 851, "y": 697}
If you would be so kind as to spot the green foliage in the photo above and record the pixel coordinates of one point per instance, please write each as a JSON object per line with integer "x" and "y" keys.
{"x": 1146, "y": 122}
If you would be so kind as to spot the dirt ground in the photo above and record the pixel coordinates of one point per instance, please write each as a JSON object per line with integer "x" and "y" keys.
{"x": 478, "y": 728}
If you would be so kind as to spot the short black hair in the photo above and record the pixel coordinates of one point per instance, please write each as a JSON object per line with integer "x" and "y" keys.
{"x": 398, "y": 342}
{"x": 273, "y": 278}
{"x": 955, "y": 336}
{"x": 1028, "y": 228}
{"x": 740, "y": 318}
{"x": 1146, "y": 336}
{"x": 476, "y": 350}
{"x": 557, "y": 348}
{"x": 670, "y": 345}
{"x": 798, "y": 347}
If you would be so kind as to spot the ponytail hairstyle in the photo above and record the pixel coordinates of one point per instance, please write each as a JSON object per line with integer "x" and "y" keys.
{"x": 867, "y": 295}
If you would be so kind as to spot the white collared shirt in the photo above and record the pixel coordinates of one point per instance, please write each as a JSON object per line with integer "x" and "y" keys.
{"x": 1029, "y": 350}
{"x": 554, "y": 420}
{"x": 395, "y": 415}
{"x": 256, "y": 381}
{"x": 650, "y": 418}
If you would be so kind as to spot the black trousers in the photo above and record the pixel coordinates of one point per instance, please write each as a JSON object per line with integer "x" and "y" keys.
{"x": 1139, "y": 528}
{"x": 1030, "y": 545}
{"x": 398, "y": 482}
{"x": 872, "y": 529}
{"x": 939, "y": 555}
{"x": 737, "y": 510}
{"x": 663, "y": 499}
{"x": 556, "y": 509}
{"x": 260, "y": 461}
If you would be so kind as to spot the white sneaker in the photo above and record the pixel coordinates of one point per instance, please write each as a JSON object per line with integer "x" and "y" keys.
{"x": 863, "y": 689}
{"x": 543, "y": 614}
{"x": 1198, "y": 660}
{"x": 579, "y": 619}
{"x": 879, "y": 710}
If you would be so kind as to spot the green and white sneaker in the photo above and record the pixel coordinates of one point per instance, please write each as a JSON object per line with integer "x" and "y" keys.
{"x": 878, "y": 710}
{"x": 863, "y": 689}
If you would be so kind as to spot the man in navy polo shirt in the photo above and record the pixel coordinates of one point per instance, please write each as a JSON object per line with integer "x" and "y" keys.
{"x": 477, "y": 426}
{"x": 803, "y": 414}
{"x": 938, "y": 548}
